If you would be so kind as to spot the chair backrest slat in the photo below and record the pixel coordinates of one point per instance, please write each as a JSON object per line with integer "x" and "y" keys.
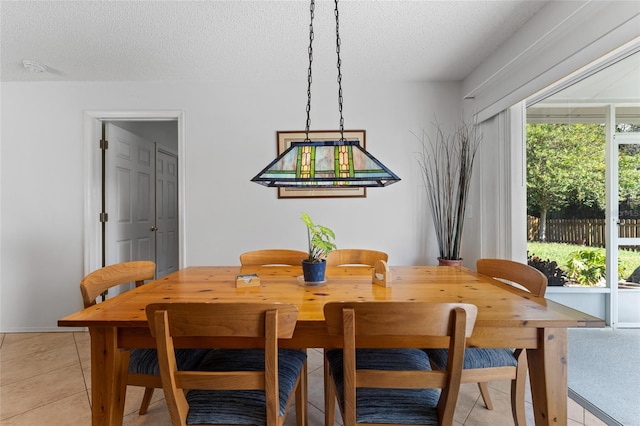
{"x": 526, "y": 276}
{"x": 401, "y": 379}
{"x": 397, "y": 318}
{"x": 224, "y": 319}
{"x": 240, "y": 380}
{"x": 361, "y": 257}
{"x": 272, "y": 257}
{"x": 104, "y": 278}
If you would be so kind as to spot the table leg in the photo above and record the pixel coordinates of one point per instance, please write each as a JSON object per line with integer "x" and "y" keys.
{"x": 108, "y": 377}
{"x": 548, "y": 375}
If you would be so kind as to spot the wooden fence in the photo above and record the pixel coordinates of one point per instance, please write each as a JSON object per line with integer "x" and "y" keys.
{"x": 588, "y": 232}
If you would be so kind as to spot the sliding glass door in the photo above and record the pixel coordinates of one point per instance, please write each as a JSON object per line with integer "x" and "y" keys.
{"x": 583, "y": 190}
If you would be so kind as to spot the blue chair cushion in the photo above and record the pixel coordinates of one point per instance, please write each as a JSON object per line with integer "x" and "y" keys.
{"x": 475, "y": 358}
{"x": 242, "y": 407}
{"x": 377, "y": 405}
{"x": 145, "y": 361}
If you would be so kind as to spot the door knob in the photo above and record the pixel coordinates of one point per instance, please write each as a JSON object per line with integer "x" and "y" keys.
{"x": 154, "y": 228}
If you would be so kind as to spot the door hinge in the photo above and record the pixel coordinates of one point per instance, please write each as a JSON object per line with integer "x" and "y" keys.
{"x": 104, "y": 144}
{"x": 104, "y": 217}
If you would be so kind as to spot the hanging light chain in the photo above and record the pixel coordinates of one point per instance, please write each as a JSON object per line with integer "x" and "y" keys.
{"x": 311, "y": 8}
{"x": 339, "y": 63}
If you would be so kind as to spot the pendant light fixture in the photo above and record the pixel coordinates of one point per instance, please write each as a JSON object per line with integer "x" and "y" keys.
{"x": 327, "y": 163}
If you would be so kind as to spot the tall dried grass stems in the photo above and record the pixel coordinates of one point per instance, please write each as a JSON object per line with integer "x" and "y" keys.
{"x": 446, "y": 161}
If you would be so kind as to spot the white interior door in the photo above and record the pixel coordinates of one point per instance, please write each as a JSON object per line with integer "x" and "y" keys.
{"x": 167, "y": 256}
{"x": 130, "y": 200}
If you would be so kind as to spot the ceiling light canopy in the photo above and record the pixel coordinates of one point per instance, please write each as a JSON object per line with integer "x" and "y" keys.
{"x": 328, "y": 163}
{"x": 33, "y": 66}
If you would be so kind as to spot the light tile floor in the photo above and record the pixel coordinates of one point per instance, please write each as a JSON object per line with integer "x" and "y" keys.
{"x": 45, "y": 380}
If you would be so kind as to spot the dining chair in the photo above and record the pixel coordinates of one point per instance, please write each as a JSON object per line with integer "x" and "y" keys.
{"x": 395, "y": 384}
{"x": 272, "y": 257}
{"x": 143, "y": 363}
{"x": 232, "y": 386}
{"x": 482, "y": 365}
{"x": 353, "y": 257}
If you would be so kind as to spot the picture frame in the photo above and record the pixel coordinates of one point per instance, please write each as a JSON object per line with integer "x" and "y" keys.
{"x": 284, "y": 140}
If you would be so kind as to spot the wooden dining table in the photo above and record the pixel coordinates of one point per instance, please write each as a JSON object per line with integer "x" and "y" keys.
{"x": 507, "y": 317}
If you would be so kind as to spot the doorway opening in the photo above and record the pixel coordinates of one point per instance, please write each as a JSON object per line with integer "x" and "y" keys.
{"x": 161, "y": 136}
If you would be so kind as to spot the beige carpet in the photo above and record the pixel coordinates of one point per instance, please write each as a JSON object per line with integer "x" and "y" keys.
{"x": 604, "y": 373}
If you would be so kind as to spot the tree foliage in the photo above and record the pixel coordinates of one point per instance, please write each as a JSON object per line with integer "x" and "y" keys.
{"x": 566, "y": 166}
{"x": 629, "y": 179}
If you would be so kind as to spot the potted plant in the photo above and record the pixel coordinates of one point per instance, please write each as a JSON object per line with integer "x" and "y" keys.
{"x": 446, "y": 162}
{"x": 320, "y": 240}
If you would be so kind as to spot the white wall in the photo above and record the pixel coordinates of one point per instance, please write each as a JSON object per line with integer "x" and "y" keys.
{"x": 229, "y": 137}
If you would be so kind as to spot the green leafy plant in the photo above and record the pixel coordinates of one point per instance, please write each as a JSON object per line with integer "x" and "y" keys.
{"x": 320, "y": 240}
{"x": 586, "y": 266}
{"x": 628, "y": 260}
{"x": 555, "y": 275}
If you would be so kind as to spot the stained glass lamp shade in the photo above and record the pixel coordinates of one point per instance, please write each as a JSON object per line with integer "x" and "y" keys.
{"x": 325, "y": 164}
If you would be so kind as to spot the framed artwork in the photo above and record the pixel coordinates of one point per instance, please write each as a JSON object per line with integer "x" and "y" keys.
{"x": 284, "y": 141}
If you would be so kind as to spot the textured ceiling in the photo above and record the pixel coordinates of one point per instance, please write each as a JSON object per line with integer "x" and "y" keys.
{"x": 252, "y": 40}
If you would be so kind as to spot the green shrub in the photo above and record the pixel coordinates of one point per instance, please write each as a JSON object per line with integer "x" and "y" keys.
{"x": 628, "y": 260}
{"x": 555, "y": 275}
{"x": 586, "y": 266}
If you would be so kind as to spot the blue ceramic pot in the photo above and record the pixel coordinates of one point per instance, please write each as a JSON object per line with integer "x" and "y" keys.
{"x": 313, "y": 272}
